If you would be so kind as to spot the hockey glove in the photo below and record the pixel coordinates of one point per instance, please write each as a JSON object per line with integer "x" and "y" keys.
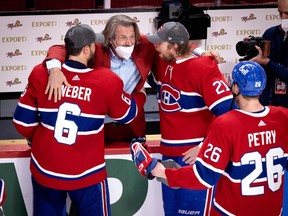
{"x": 141, "y": 140}
{"x": 168, "y": 164}
{"x": 144, "y": 162}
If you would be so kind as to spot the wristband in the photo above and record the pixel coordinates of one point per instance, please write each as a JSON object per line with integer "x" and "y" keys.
{"x": 198, "y": 51}
{"x": 53, "y": 63}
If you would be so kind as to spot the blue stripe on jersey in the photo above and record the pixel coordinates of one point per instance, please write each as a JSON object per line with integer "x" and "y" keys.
{"x": 223, "y": 107}
{"x": 209, "y": 174}
{"x": 25, "y": 115}
{"x": 67, "y": 177}
{"x": 83, "y": 123}
{"x": 131, "y": 113}
{"x": 238, "y": 171}
{"x": 86, "y": 123}
{"x": 191, "y": 101}
{"x": 48, "y": 118}
{"x": 220, "y": 209}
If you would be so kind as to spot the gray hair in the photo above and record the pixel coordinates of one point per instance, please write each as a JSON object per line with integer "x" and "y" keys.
{"x": 114, "y": 22}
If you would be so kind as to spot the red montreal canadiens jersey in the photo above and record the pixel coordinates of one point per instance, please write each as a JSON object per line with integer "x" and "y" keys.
{"x": 67, "y": 150}
{"x": 190, "y": 94}
{"x": 245, "y": 154}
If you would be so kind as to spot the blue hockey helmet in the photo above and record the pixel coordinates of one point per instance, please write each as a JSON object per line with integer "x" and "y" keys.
{"x": 250, "y": 77}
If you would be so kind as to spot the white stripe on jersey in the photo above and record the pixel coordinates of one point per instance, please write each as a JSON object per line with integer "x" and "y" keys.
{"x": 100, "y": 166}
{"x": 81, "y": 114}
{"x": 220, "y": 101}
{"x": 79, "y": 132}
{"x": 70, "y": 69}
{"x": 104, "y": 198}
{"x": 92, "y": 116}
{"x": 210, "y": 167}
{"x": 190, "y": 93}
{"x": 199, "y": 177}
{"x": 125, "y": 114}
{"x": 193, "y": 109}
{"x": 48, "y": 109}
{"x": 260, "y": 114}
{"x": 27, "y": 106}
{"x": 231, "y": 179}
{"x": 222, "y": 209}
{"x": 91, "y": 132}
{"x": 183, "y": 141}
{"x": 24, "y": 124}
{"x": 240, "y": 180}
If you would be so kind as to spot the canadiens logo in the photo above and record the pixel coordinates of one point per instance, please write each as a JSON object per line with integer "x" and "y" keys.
{"x": 45, "y": 38}
{"x": 16, "y": 53}
{"x": 169, "y": 98}
{"x": 248, "y": 18}
{"x": 73, "y": 23}
{"x": 15, "y": 82}
{"x": 14, "y": 25}
{"x": 221, "y": 32}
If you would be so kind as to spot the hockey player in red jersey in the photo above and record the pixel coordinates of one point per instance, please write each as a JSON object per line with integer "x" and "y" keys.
{"x": 67, "y": 148}
{"x": 244, "y": 154}
{"x": 191, "y": 93}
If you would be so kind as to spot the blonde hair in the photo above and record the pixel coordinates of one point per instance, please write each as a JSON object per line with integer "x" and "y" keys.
{"x": 182, "y": 50}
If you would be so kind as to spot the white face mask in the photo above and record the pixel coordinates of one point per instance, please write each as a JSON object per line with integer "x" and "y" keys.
{"x": 125, "y": 52}
{"x": 284, "y": 24}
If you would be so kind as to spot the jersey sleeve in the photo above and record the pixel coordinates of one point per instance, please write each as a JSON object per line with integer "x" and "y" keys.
{"x": 213, "y": 87}
{"x": 56, "y": 52}
{"x": 122, "y": 106}
{"x": 25, "y": 118}
{"x": 210, "y": 164}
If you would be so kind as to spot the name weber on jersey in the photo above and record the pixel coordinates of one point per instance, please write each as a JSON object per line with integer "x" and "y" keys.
{"x": 81, "y": 93}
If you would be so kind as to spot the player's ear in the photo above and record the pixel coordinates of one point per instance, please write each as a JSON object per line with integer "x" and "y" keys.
{"x": 235, "y": 89}
{"x": 86, "y": 49}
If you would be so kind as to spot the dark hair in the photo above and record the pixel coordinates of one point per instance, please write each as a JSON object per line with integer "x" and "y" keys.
{"x": 70, "y": 50}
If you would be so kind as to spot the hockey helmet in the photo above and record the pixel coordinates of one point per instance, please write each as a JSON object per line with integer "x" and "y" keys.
{"x": 250, "y": 77}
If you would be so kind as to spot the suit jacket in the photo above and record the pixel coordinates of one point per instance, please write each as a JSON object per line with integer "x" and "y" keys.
{"x": 144, "y": 56}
